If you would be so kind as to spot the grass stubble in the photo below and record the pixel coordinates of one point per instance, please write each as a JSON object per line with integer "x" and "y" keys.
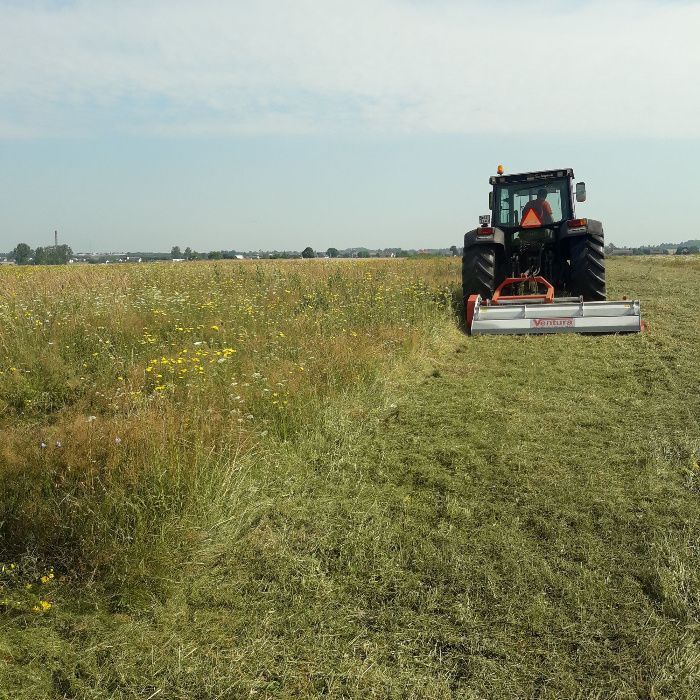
{"x": 342, "y": 495}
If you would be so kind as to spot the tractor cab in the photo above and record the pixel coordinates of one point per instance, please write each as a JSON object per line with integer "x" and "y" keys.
{"x": 534, "y": 200}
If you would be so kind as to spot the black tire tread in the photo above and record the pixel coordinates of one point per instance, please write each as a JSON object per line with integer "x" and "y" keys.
{"x": 479, "y": 271}
{"x": 588, "y": 267}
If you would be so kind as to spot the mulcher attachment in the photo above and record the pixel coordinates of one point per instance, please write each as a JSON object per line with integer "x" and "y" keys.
{"x": 541, "y": 312}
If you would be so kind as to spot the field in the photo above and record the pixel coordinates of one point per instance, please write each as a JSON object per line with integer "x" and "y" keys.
{"x": 301, "y": 479}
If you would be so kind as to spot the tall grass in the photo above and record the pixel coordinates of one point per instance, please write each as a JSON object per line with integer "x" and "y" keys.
{"x": 128, "y": 394}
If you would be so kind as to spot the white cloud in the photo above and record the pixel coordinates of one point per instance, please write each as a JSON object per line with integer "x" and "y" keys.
{"x": 620, "y": 68}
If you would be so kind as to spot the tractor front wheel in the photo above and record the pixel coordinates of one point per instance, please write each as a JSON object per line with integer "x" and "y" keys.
{"x": 587, "y": 271}
{"x": 479, "y": 271}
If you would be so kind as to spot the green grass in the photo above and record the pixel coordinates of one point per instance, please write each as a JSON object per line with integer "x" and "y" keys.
{"x": 493, "y": 517}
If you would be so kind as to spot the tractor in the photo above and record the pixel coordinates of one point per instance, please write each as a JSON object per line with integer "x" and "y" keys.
{"x": 533, "y": 244}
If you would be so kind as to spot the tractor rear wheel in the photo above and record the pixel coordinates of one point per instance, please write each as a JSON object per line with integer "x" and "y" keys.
{"x": 587, "y": 271}
{"x": 479, "y": 271}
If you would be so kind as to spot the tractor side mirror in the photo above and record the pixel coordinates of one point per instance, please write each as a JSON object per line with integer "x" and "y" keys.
{"x": 490, "y": 201}
{"x": 580, "y": 191}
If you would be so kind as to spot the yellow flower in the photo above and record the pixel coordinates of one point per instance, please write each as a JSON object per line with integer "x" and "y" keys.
{"x": 42, "y": 606}
{"x": 215, "y": 328}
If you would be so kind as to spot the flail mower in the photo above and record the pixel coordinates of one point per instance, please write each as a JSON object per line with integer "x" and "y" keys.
{"x": 535, "y": 245}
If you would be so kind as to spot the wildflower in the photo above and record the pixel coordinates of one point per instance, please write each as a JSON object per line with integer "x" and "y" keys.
{"x": 42, "y": 445}
{"x": 42, "y": 606}
{"x": 118, "y": 440}
{"x": 91, "y": 419}
{"x": 58, "y": 443}
{"x": 215, "y": 328}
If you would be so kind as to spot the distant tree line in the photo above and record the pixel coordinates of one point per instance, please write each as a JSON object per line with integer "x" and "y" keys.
{"x": 691, "y": 247}
{"x": 177, "y": 253}
{"x": 23, "y": 254}
{"x": 50, "y": 255}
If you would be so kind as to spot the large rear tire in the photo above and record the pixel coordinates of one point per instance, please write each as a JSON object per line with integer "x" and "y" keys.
{"x": 587, "y": 270}
{"x": 479, "y": 271}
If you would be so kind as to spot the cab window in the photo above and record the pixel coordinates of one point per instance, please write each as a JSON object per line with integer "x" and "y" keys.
{"x": 511, "y": 200}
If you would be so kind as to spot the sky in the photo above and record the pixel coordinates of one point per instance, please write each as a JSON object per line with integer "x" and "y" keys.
{"x": 285, "y": 123}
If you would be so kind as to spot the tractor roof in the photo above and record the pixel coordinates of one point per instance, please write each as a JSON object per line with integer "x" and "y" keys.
{"x": 531, "y": 177}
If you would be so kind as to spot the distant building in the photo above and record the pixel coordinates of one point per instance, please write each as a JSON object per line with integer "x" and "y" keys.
{"x": 622, "y": 251}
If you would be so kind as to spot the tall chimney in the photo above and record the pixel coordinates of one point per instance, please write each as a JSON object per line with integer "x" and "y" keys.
{"x": 55, "y": 239}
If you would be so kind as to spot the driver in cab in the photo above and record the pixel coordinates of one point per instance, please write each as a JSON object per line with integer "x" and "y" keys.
{"x": 541, "y": 207}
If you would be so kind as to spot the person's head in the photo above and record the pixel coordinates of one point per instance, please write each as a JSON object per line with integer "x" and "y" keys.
{"x": 542, "y": 193}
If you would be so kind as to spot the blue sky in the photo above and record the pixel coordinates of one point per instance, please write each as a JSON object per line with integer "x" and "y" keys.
{"x": 140, "y": 125}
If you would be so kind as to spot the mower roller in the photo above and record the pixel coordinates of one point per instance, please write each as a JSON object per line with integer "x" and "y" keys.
{"x": 510, "y": 269}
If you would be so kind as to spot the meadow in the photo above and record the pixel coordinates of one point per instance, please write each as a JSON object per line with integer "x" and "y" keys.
{"x": 301, "y": 479}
